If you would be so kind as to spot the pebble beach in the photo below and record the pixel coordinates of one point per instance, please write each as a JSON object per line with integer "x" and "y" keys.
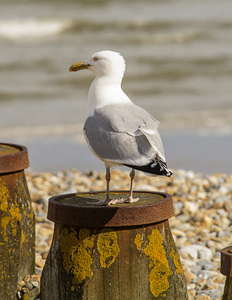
{"x": 200, "y": 227}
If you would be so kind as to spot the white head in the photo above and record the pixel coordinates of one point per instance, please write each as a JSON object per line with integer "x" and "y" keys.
{"x": 102, "y": 64}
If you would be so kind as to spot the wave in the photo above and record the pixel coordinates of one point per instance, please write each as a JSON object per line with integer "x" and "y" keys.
{"x": 34, "y": 28}
{"x": 134, "y": 30}
{"x": 17, "y": 29}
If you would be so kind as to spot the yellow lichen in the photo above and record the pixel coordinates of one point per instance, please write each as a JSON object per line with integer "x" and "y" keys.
{"x": 76, "y": 253}
{"x": 25, "y": 296}
{"x": 138, "y": 241}
{"x": 4, "y": 194}
{"x": 11, "y": 215}
{"x": 22, "y": 237}
{"x": 160, "y": 270}
{"x": 177, "y": 262}
{"x": 107, "y": 245}
{"x": 31, "y": 214}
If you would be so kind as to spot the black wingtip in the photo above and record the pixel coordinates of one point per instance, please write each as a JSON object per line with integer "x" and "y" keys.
{"x": 169, "y": 173}
{"x": 156, "y": 167}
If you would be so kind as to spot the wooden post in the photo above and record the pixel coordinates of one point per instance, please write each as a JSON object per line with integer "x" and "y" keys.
{"x": 120, "y": 252}
{"x": 17, "y": 224}
{"x": 226, "y": 269}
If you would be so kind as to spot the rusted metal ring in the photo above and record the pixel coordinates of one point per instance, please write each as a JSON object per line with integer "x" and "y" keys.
{"x": 13, "y": 158}
{"x": 226, "y": 261}
{"x": 67, "y": 209}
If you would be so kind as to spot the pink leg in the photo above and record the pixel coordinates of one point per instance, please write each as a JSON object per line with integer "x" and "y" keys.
{"x": 109, "y": 201}
{"x": 131, "y": 199}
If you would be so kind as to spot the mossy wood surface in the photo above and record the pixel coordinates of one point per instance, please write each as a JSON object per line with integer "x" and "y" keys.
{"x": 139, "y": 262}
{"x": 17, "y": 233}
{"x": 76, "y": 209}
{"x": 82, "y": 199}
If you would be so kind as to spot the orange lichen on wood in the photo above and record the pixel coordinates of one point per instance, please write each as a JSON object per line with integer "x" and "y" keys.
{"x": 158, "y": 265}
{"x": 138, "y": 241}
{"x": 107, "y": 246}
{"x": 76, "y": 253}
{"x": 176, "y": 260}
{"x": 10, "y": 212}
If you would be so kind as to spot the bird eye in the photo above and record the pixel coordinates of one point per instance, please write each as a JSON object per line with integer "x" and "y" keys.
{"x": 95, "y": 59}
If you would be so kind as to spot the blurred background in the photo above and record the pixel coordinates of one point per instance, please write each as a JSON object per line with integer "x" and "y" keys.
{"x": 179, "y": 68}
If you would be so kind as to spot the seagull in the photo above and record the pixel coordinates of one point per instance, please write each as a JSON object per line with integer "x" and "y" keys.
{"x": 116, "y": 130}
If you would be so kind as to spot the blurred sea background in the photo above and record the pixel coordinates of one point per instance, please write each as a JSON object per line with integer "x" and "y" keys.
{"x": 179, "y": 68}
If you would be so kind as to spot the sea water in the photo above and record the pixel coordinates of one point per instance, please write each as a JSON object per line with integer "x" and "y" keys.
{"x": 179, "y": 68}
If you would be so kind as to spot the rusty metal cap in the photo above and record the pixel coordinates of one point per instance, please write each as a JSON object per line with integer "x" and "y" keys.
{"x": 13, "y": 158}
{"x": 226, "y": 261}
{"x": 73, "y": 209}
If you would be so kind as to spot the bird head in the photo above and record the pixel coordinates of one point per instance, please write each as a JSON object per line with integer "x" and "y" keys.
{"x": 103, "y": 64}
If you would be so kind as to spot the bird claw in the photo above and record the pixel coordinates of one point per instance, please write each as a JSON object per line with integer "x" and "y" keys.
{"x": 122, "y": 200}
{"x": 108, "y": 202}
{"x": 114, "y": 201}
{"x": 132, "y": 200}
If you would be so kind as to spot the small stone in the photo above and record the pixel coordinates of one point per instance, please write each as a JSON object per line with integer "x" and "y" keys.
{"x": 46, "y": 231}
{"x": 21, "y": 283}
{"x": 43, "y": 247}
{"x": 200, "y": 283}
{"x": 19, "y": 287}
{"x": 214, "y": 181}
{"x": 210, "y": 244}
{"x": 213, "y": 294}
{"x": 34, "y": 283}
{"x": 35, "y": 278}
{"x": 38, "y": 271}
{"x": 199, "y": 216}
{"x": 218, "y": 278}
{"x": 228, "y": 205}
{"x": 191, "y": 294}
{"x": 25, "y": 290}
{"x": 195, "y": 269}
{"x": 202, "y": 297}
{"x": 183, "y": 218}
{"x": 191, "y": 286}
{"x": 18, "y": 294}
{"x": 206, "y": 274}
{"x": 178, "y": 232}
{"x": 190, "y": 174}
{"x": 223, "y": 233}
{"x": 33, "y": 294}
{"x": 29, "y": 285}
{"x": 196, "y": 252}
{"x": 145, "y": 187}
{"x": 206, "y": 264}
{"x": 26, "y": 278}
{"x": 207, "y": 220}
{"x": 191, "y": 206}
{"x": 44, "y": 255}
{"x": 186, "y": 227}
{"x": 184, "y": 255}
{"x": 223, "y": 190}
{"x": 178, "y": 206}
{"x": 39, "y": 261}
{"x": 189, "y": 276}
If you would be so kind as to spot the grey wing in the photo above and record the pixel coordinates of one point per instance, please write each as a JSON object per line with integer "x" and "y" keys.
{"x": 129, "y": 136}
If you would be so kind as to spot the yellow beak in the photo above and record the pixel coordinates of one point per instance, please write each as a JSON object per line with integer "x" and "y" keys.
{"x": 78, "y": 67}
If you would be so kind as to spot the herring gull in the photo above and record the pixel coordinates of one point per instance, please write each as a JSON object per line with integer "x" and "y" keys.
{"x": 117, "y": 131}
